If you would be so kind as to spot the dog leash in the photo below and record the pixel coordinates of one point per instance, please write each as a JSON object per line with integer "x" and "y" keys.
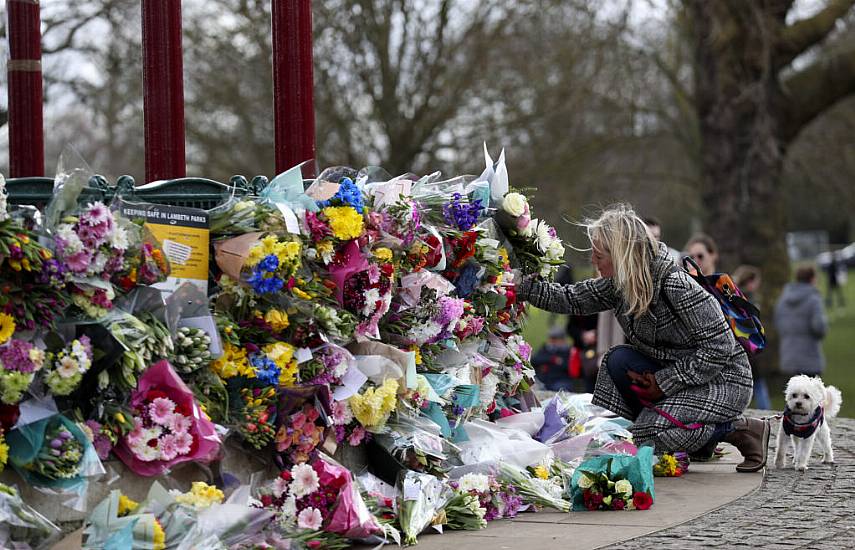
{"x": 669, "y": 417}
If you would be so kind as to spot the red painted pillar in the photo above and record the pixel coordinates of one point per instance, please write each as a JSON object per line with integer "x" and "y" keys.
{"x": 293, "y": 102}
{"x": 24, "y": 71}
{"x": 163, "y": 89}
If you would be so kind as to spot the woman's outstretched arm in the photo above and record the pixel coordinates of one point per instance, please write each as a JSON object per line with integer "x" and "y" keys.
{"x": 583, "y": 298}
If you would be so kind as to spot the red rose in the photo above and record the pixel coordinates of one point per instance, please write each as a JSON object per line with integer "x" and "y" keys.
{"x": 154, "y": 394}
{"x": 266, "y": 500}
{"x": 642, "y": 501}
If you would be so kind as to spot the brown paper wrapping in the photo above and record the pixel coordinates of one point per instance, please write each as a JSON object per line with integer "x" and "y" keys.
{"x": 231, "y": 254}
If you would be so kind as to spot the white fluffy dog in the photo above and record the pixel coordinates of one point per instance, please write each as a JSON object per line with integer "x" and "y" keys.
{"x": 810, "y": 403}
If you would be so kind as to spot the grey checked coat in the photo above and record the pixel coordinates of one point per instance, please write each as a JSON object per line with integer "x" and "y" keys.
{"x": 706, "y": 379}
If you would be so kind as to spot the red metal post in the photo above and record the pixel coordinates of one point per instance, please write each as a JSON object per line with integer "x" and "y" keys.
{"x": 163, "y": 89}
{"x": 24, "y": 71}
{"x": 293, "y": 103}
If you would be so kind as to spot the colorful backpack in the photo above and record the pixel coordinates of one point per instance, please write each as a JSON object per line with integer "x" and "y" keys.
{"x": 742, "y": 316}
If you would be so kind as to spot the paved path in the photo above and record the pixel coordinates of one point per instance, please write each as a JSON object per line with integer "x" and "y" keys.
{"x": 811, "y": 510}
{"x": 705, "y": 488}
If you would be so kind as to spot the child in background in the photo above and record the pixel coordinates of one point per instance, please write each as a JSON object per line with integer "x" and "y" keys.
{"x": 552, "y": 362}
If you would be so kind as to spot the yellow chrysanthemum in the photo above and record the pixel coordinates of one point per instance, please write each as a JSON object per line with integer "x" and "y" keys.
{"x": 372, "y": 407}
{"x": 278, "y": 320}
{"x": 158, "y": 541}
{"x": 541, "y": 472}
{"x": 7, "y": 327}
{"x": 345, "y": 222}
{"x": 201, "y": 495}
{"x": 383, "y": 254}
{"x": 503, "y": 255}
{"x": 126, "y": 506}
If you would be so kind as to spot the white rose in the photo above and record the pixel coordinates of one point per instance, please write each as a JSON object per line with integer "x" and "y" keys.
{"x": 585, "y": 482}
{"x": 514, "y": 204}
{"x": 555, "y": 250}
{"x": 623, "y": 487}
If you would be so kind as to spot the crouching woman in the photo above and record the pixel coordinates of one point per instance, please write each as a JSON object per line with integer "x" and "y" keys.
{"x": 682, "y": 377}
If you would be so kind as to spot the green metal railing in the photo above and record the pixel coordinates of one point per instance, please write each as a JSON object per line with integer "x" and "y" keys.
{"x": 191, "y": 192}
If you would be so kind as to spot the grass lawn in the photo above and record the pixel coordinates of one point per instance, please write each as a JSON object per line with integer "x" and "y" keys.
{"x": 839, "y": 346}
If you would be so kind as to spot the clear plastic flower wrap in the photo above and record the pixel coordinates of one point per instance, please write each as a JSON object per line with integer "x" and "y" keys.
{"x": 416, "y": 444}
{"x": 421, "y": 499}
{"x": 21, "y": 526}
{"x": 533, "y": 490}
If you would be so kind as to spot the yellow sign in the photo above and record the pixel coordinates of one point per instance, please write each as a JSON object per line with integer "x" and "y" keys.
{"x": 184, "y": 236}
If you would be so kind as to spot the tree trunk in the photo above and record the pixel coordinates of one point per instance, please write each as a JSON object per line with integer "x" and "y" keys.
{"x": 739, "y": 102}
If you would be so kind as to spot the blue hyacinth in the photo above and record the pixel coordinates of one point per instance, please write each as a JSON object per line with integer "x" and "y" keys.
{"x": 270, "y": 263}
{"x": 348, "y": 195}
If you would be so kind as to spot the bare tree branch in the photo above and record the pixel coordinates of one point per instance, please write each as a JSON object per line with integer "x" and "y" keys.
{"x": 796, "y": 38}
{"x": 816, "y": 88}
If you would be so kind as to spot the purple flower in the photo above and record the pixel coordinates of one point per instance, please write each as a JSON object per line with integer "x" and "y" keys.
{"x": 451, "y": 309}
{"x": 90, "y": 236}
{"x": 467, "y": 281}
{"x": 16, "y": 356}
{"x": 462, "y": 215}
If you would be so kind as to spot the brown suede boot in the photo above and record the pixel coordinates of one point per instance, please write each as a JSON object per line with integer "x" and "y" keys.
{"x": 751, "y": 437}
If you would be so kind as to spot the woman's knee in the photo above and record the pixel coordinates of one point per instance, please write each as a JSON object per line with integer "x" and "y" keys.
{"x": 619, "y": 359}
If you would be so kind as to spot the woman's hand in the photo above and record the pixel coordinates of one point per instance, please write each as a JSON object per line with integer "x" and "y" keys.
{"x": 647, "y": 382}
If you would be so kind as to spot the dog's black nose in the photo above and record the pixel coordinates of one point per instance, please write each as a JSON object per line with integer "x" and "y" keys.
{"x": 798, "y": 404}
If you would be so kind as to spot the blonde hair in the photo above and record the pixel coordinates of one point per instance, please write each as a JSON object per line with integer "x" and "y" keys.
{"x": 623, "y": 234}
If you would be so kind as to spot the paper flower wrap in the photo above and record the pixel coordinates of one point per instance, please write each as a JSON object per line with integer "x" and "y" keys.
{"x": 638, "y": 470}
{"x": 206, "y": 443}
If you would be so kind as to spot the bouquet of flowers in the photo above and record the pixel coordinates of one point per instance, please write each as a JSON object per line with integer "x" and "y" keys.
{"x": 22, "y": 526}
{"x": 499, "y": 500}
{"x": 92, "y": 246}
{"x": 169, "y": 428}
{"x": 421, "y": 500}
{"x": 532, "y": 489}
{"x": 53, "y": 452}
{"x": 146, "y": 264}
{"x": 537, "y": 247}
{"x": 614, "y": 482}
{"x": 319, "y": 501}
{"x": 65, "y": 368}
{"x": 464, "y": 511}
{"x": 373, "y": 406}
{"x": 273, "y": 265}
{"x": 299, "y": 435}
{"x": 19, "y": 362}
{"x": 672, "y": 464}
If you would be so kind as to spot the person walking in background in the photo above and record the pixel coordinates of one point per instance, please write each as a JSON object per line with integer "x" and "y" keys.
{"x": 801, "y": 323}
{"x": 834, "y": 286}
{"x": 747, "y": 279}
{"x": 702, "y": 248}
{"x": 552, "y": 362}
